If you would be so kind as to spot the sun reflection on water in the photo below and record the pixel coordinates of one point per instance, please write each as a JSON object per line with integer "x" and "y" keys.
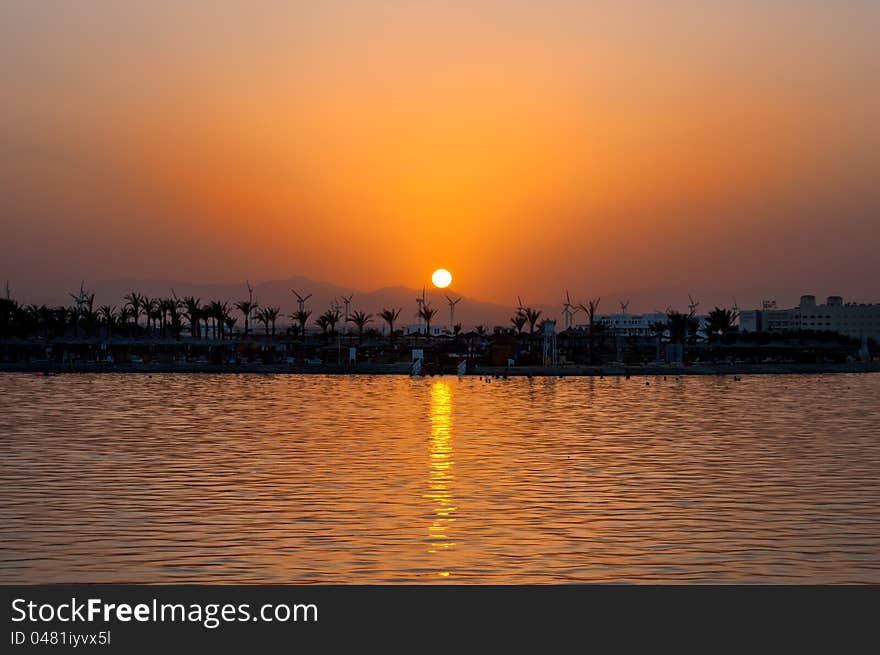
{"x": 440, "y": 475}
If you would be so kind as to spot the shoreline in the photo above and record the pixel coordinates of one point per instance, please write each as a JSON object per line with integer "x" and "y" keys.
{"x": 403, "y": 369}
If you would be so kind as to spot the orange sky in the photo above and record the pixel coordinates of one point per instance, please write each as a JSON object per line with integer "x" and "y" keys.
{"x": 525, "y": 146}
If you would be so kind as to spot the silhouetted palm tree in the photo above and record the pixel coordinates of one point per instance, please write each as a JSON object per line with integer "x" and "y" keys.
{"x": 148, "y": 307}
{"x": 216, "y": 313}
{"x": 677, "y": 324}
{"x": 246, "y": 307}
{"x": 108, "y": 318}
{"x": 590, "y": 309}
{"x": 323, "y": 322}
{"x": 192, "y": 310}
{"x": 302, "y": 318}
{"x": 719, "y": 321}
{"x": 390, "y": 316}
{"x": 519, "y": 322}
{"x": 272, "y": 314}
{"x": 427, "y": 313}
{"x": 225, "y": 315}
{"x": 658, "y": 328}
{"x": 262, "y": 316}
{"x": 360, "y": 319}
{"x": 532, "y": 316}
{"x": 174, "y": 317}
{"x": 134, "y": 302}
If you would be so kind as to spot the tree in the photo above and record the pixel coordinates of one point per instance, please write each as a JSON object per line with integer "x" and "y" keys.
{"x": 360, "y": 319}
{"x": 192, "y": 310}
{"x": 482, "y": 330}
{"x": 108, "y": 318}
{"x": 148, "y": 305}
{"x": 532, "y": 316}
{"x": 174, "y": 316}
{"x": 225, "y": 316}
{"x": 261, "y": 316}
{"x": 658, "y": 328}
{"x": 302, "y": 318}
{"x": 427, "y": 313}
{"x": 519, "y": 321}
{"x": 590, "y": 308}
{"x": 272, "y": 314}
{"x": 134, "y": 302}
{"x": 123, "y": 316}
{"x": 677, "y": 324}
{"x": 390, "y": 316}
{"x": 719, "y": 321}
{"x": 246, "y": 307}
{"x": 323, "y": 322}
{"x": 217, "y": 311}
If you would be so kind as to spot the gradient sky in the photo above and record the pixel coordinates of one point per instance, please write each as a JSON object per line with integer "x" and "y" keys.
{"x": 525, "y": 146}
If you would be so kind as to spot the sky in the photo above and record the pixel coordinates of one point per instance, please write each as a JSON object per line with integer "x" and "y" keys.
{"x": 527, "y": 147}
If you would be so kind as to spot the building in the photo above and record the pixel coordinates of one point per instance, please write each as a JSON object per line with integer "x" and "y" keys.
{"x": 857, "y": 320}
{"x": 420, "y": 328}
{"x": 632, "y": 325}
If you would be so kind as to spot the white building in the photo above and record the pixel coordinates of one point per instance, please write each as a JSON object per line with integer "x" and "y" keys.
{"x": 420, "y": 328}
{"x": 850, "y": 319}
{"x": 627, "y": 325}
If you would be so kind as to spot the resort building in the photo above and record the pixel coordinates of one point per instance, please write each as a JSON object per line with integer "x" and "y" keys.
{"x": 856, "y": 320}
{"x": 420, "y": 328}
{"x": 628, "y": 325}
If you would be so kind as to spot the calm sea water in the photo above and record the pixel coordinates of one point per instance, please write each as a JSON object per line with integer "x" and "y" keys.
{"x": 251, "y": 478}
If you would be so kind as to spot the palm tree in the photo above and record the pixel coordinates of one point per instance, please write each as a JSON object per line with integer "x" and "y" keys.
{"x": 134, "y": 302}
{"x": 532, "y": 316}
{"x": 192, "y": 310}
{"x": 108, "y": 318}
{"x": 302, "y": 318}
{"x": 659, "y": 329}
{"x": 323, "y": 322}
{"x": 427, "y": 313}
{"x": 230, "y": 322}
{"x": 590, "y": 309}
{"x": 246, "y": 307}
{"x": 148, "y": 308}
{"x": 677, "y": 324}
{"x": 214, "y": 311}
{"x": 390, "y": 316}
{"x": 482, "y": 330}
{"x": 262, "y": 316}
{"x": 167, "y": 308}
{"x": 225, "y": 315}
{"x": 123, "y": 316}
{"x": 174, "y": 316}
{"x": 360, "y": 319}
{"x": 519, "y": 322}
{"x": 89, "y": 315}
{"x": 155, "y": 312}
{"x": 272, "y": 314}
{"x": 719, "y": 321}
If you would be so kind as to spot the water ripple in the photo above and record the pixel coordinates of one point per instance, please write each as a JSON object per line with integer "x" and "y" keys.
{"x": 261, "y": 478}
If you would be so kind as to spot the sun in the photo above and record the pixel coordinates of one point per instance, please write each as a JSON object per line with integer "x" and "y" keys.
{"x": 441, "y": 278}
